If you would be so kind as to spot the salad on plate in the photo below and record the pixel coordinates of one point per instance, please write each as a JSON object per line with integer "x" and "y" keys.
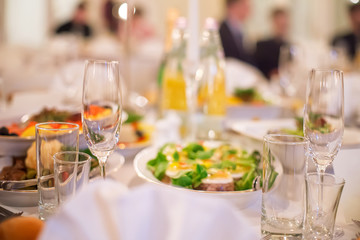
{"x": 201, "y": 167}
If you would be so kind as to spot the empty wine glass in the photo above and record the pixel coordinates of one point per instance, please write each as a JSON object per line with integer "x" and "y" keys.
{"x": 290, "y": 64}
{"x": 324, "y": 115}
{"x": 101, "y": 111}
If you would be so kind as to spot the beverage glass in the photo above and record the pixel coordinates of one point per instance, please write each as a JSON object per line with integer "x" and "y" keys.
{"x": 71, "y": 173}
{"x": 283, "y": 185}
{"x": 101, "y": 110}
{"x": 51, "y": 137}
{"x": 291, "y": 67}
{"x": 323, "y": 192}
{"x": 324, "y": 115}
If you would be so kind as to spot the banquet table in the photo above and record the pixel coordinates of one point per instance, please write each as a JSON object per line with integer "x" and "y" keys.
{"x": 346, "y": 165}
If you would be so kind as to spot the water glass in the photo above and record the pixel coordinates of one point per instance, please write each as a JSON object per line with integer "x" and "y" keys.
{"x": 283, "y": 185}
{"x": 51, "y": 137}
{"x": 321, "y": 207}
{"x": 71, "y": 173}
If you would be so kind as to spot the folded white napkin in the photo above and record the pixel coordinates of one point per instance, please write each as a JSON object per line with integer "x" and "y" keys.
{"x": 105, "y": 210}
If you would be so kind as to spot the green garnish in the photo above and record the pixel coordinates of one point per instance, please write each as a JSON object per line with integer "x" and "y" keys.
{"x": 133, "y": 117}
{"x": 205, "y": 154}
{"x": 248, "y": 94}
{"x": 246, "y": 181}
{"x": 225, "y": 165}
{"x": 191, "y": 179}
{"x": 176, "y": 156}
{"x": 158, "y": 165}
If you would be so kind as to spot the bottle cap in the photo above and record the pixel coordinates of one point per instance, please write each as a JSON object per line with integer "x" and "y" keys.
{"x": 180, "y": 23}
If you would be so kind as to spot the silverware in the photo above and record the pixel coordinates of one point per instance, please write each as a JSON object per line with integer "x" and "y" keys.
{"x": 267, "y": 237}
{"x": 5, "y": 213}
{"x": 8, "y": 185}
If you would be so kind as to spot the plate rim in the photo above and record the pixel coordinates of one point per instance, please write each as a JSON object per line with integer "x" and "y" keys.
{"x": 234, "y": 126}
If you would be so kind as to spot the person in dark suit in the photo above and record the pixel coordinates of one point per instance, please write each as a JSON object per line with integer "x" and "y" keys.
{"x": 231, "y": 34}
{"x": 268, "y": 51}
{"x": 351, "y": 40}
{"x": 77, "y": 24}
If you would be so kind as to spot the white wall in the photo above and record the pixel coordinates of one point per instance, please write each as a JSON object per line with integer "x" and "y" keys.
{"x": 26, "y": 22}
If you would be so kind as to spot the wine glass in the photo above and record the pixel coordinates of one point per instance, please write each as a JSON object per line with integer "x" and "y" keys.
{"x": 288, "y": 61}
{"x": 102, "y": 106}
{"x": 324, "y": 121}
{"x": 324, "y": 115}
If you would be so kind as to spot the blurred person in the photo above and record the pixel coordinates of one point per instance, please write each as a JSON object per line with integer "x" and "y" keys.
{"x": 231, "y": 31}
{"x": 350, "y": 40}
{"x": 111, "y": 22}
{"x": 268, "y": 51}
{"x": 78, "y": 23}
{"x": 140, "y": 28}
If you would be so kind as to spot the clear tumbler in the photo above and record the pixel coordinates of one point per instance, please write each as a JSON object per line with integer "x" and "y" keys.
{"x": 283, "y": 185}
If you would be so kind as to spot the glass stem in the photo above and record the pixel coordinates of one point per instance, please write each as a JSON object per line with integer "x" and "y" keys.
{"x": 102, "y": 163}
{"x": 321, "y": 170}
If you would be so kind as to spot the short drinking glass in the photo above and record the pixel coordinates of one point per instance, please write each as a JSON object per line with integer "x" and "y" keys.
{"x": 283, "y": 185}
{"x": 71, "y": 170}
{"x": 51, "y": 138}
{"x": 321, "y": 209}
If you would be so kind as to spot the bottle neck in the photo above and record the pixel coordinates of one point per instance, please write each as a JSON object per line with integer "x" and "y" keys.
{"x": 211, "y": 46}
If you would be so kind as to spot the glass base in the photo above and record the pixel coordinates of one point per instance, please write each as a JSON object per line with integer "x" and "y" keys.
{"x": 282, "y": 228}
{"x": 282, "y": 236}
{"x": 46, "y": 211}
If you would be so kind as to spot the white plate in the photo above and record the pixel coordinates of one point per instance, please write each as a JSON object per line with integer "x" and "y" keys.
{"x": 258, "y": 129}
{"x": 30, "y": 198}
{"x": 14, "y": 146}
{"x": 241, "y": 199}
{"x": 252, "y": 111}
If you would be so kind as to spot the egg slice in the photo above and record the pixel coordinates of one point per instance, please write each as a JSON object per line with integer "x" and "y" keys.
{"x": 216, "y": 176}
{"x": 206, "y": 163}
{"x": 176, "y": 169}
{"x": 239, "y": 172}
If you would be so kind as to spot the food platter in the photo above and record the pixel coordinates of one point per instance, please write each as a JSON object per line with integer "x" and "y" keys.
{"x": 241, "y": 199}
{"x": 30, "y": 198}
{"x": 18, "y": 145}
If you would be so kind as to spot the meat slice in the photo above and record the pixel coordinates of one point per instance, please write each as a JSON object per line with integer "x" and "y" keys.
{"x": 217, "y": 186}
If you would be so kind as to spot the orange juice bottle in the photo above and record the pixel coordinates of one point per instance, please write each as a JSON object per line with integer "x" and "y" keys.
{"x": 173, "y": 82}
{"x": 174, "y": 90}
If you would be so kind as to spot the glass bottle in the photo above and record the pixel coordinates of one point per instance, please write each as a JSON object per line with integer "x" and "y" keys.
{"x": 173, "y": 85}
{"x": 212, "y": 91}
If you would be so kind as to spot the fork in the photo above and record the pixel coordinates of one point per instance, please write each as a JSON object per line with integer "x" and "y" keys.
{"x": 266, "y": 237}
{"x": 5, "y": 213}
